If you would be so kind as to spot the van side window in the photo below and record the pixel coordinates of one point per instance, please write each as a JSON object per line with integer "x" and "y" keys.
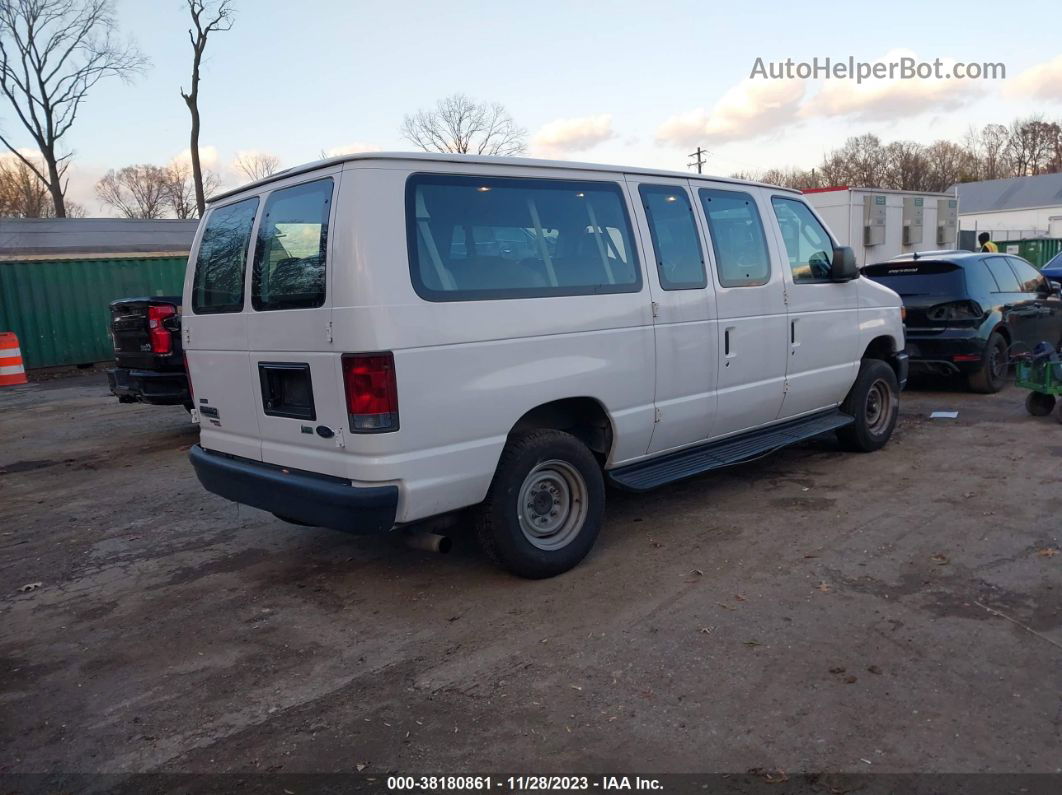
{"x": 738, "y": 241}
{"x": 289, "y": 257}
{"x": 217, "y": 285}
{"x": 679, "y": 257}
{"x": 478, "y": 238}
{"x": 1003, "y": 274}
{"x": 807, "y": 243}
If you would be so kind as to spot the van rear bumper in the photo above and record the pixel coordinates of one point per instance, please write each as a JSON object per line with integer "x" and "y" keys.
{"x": 292, "y": 494}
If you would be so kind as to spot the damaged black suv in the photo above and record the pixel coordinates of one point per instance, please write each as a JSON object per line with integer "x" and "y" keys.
{"x": 970, "y": 313}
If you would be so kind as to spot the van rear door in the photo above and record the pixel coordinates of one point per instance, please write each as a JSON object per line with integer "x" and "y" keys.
{"x": 297, "y": 391}
{"x": 215, "y": 330}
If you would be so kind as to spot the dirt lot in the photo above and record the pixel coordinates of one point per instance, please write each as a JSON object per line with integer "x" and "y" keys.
{"x": 814, "y": 611}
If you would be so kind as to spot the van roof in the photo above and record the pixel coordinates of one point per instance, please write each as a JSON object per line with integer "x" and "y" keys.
{"x": 444, "y": 157}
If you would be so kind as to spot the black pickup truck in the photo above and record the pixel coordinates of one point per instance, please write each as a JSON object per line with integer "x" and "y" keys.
{"x": 149, "y": 362}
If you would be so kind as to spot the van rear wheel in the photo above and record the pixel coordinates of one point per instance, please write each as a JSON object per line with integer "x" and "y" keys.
{"x": 545, "y": 505}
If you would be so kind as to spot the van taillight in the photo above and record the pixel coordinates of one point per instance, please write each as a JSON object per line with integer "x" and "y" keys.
{"x": 161, "y": 341}
{"x": 372, "y": 393}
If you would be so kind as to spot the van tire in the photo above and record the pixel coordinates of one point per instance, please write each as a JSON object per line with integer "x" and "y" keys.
{"x": 534, "y": 467}
{"x": 874, "y": 401}
{"x": 986, "y": 379}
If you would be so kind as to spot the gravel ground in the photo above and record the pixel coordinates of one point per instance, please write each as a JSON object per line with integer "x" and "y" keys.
{"x": 813, "y": 611}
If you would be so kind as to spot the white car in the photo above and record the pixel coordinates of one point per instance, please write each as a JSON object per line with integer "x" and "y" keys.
{"x": 377, "y": 339}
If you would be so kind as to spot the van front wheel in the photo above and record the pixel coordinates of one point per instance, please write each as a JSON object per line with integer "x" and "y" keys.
{"x": 874, "y": 402}
{"x": 545, "y": 505}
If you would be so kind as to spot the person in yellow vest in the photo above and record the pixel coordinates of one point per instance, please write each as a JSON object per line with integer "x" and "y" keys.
{"x": 987, "y": 246}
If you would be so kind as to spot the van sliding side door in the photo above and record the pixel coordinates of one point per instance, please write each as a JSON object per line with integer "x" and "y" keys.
{"x": 683, "y": 310}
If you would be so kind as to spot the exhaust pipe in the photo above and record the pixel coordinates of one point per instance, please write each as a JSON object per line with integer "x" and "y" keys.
{"x": 428, "y": 542}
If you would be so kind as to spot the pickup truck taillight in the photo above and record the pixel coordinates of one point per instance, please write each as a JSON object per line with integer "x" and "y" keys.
{"x": 371, "y": 391}
{"x": 161, "y": 341}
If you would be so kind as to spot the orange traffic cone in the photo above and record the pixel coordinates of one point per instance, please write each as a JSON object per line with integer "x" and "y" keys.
{"x": 11, "y": 370}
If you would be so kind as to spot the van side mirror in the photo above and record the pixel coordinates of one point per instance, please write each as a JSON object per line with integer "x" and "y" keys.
{"x": 843, "y": 268}
{"x": 1056, "y": 287}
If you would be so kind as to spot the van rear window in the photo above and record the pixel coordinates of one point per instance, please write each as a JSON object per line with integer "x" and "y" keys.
{"x": 918, "y": 278}
{"x": 217, "y": 285}
{"x": 289, "y": 257}
{"x": 477, "y": 238}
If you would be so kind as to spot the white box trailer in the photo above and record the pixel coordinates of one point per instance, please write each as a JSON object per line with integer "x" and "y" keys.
{"x": 880, "y": 224}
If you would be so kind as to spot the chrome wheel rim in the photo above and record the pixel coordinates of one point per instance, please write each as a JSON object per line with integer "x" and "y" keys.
{"x": 880, "y": 406}
{"x": 553, "y": 504}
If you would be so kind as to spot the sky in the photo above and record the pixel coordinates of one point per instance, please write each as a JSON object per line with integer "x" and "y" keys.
{"x": 631, "y": 83}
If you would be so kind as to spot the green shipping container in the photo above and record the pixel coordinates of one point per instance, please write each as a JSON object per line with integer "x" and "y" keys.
{"x": 59, "y": 307}
{"x": 1036, "y": 250}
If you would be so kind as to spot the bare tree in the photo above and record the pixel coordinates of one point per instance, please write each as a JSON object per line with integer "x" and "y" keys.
{"x": 257, "y": 165}
{"x": 947, "y": 164}
{"x": 22, "y": 194}
{"x": 1029, "y": 146}
{"x": 52, "y": 52}
{"x": 788, "y": 177}
{"x": 180, "y": 189}
{"x": 459, "y": 124}
{"x": 207, "y": 17}
{"x": 135, "y": 191}
{"x": 905, "y": 166}
{"x": 988, "y": 146}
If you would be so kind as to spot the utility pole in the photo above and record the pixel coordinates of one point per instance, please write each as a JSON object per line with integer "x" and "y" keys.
{"x": 700, "y": 157}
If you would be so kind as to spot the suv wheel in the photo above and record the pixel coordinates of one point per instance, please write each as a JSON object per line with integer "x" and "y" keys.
{"x": 992, "y": 375}
{"x": 545, "y": 505}
{"x": 874, "y": 401}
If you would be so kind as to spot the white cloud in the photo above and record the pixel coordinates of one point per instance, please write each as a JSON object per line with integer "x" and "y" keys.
{"x": 889, "y": 99}
{"x": 1043, "y": 81}
{"x": 208, "y": 157}
{"x": 750, "y": 109}
{"x": 350, "y": 149}
{"x": 572, "y": 135}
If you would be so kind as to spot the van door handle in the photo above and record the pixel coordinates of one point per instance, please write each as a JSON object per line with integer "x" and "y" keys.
{"x": 726, "y": 343}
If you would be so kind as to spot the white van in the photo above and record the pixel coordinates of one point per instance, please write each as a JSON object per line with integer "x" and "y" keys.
{"x": 377, "y": 339}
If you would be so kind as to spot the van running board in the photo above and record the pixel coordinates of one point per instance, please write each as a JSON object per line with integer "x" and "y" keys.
{"x": 646, "y": 475}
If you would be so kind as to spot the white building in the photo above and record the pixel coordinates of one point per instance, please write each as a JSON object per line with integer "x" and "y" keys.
{"x": 879, "y": 224}
{"x": 1014, "y": 208}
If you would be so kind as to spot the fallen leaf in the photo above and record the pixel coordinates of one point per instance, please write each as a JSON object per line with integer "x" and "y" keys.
{"x": 30, "y": 586}
{"x": 874, "y": 669}
{"x": 837, "y": 670}
{"x": 849, "y": 680}
{"x": 940, "y": 559}
{"x": 725, "y": 606}
{"x": 698, "y": 572}
{"x": 361, "y": 766}
{"x": 824, "y": 587}
{"x": 706, "y": 630}
{"x": 770, "y": 776}
{"x": 738, "y": 597}
{"x": 575, "y": 687}
{"x": 752, "y": 643}
{"x": 1047, "y": 552}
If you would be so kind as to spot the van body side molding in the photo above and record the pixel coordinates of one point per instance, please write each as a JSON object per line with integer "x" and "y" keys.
{"x": 646, "y": 475}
